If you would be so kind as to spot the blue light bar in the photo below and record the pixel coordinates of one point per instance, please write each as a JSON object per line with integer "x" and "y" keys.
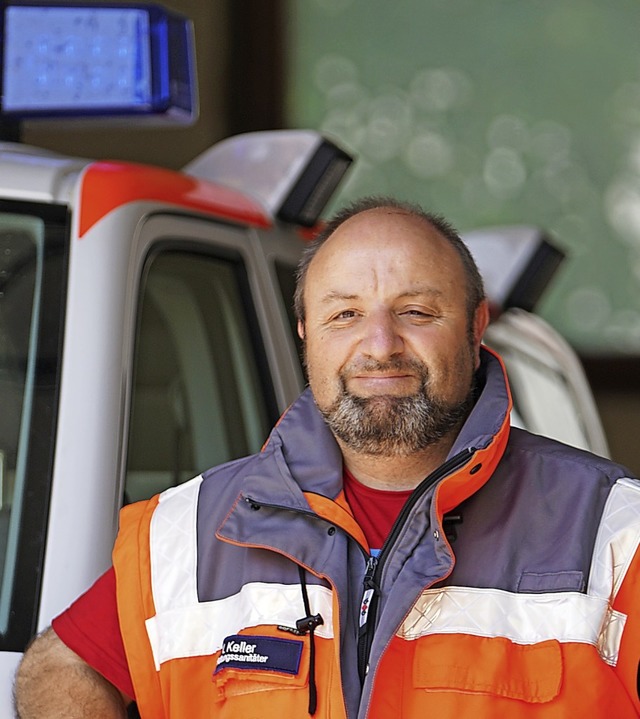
{"x": 97, "y": 60}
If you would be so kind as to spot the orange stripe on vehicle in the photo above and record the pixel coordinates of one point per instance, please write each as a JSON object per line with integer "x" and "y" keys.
{"x": 108, "y": 185}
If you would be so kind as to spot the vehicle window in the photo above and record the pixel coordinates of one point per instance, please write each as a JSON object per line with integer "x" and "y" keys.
{"x": 198, "y": 397}
{"x": 32, "y": 262}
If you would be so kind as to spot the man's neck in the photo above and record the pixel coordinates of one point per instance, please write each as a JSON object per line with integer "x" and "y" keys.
{"x": 395, "y": 472}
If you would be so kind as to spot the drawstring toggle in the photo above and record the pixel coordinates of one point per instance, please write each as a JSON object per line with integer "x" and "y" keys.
{"x": 309, "y": 623}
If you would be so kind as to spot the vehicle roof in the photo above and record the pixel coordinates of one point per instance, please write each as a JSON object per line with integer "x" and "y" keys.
{"x": 29, "y": 173}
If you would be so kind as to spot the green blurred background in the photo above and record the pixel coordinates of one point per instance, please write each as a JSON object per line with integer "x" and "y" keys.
{"x": 494, "y": 112}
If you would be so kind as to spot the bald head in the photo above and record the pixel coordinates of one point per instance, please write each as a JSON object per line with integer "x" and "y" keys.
{"x": 432, "y": 224}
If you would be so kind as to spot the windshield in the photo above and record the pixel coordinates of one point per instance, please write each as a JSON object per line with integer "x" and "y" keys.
{"x": 32, "y": 269}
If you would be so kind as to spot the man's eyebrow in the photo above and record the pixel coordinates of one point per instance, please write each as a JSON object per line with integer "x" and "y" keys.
{"x": 421, "y": 292}
{"x": 335, "y": 295}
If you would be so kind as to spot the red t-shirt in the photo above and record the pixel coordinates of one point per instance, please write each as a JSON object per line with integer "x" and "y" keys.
{"x": 375, "y": 510}
{"x": 90, "y": 625}
{"x": 90, "y": 628}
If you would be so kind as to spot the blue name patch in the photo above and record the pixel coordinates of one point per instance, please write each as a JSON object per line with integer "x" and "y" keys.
{"x": 251, "y": 652}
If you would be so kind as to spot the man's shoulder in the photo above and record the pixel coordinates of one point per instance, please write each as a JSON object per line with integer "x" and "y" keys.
{"x": 218, "y": 478}
{"x": 232, "y": 468}
{"x": 545, "y": 449}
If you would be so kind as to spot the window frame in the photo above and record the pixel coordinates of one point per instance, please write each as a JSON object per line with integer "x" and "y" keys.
{"x": 239, "y": 262}
{"x": 34, "y": 512}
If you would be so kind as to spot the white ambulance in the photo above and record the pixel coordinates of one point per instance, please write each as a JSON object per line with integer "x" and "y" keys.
{"x": 146, "y": 333}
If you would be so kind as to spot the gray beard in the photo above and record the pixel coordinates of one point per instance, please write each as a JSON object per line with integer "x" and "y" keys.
{"x": 388, "y": 425}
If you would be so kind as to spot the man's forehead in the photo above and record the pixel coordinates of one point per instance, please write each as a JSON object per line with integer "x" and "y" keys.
{"x": 388, "y": 216}
{"x": 383, "y": 225}
{"x": 395, "y": 233}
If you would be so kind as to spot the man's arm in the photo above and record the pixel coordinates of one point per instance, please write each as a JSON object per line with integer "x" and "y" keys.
{"x": 53, "y": 682}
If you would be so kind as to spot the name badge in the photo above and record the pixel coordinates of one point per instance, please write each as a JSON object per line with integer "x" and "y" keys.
{"x": 267, "y": 653}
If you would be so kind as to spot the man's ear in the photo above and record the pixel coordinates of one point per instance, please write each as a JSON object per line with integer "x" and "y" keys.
{"x": 300, "y": 329}
{"x": 480, "y": 323}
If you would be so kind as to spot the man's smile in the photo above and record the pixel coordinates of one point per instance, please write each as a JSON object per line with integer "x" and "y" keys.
{"x": 385, "y": 383}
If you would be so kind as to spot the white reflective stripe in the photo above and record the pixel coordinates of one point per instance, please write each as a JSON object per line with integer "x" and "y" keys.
{"x": 522, "y": 618}
{"x": 617, "y": 540}
{"x": 611, "y": 636}
{"x": 185, "y": 627}
{"x": 199, "y": 629}
{"x": 173, "y": 547}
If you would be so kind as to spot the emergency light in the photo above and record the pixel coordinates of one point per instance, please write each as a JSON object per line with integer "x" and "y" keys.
{"x": 292, "y": 173}
{"x": 108, "y": 60}
{"x": 516, "y": 263}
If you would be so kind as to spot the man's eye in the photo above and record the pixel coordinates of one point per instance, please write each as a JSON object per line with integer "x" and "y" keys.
{"x": 418, "y": 313}
{"x": 343, "y": 316}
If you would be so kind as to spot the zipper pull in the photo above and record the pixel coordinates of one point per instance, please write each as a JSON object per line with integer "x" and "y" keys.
{"x": 370, "y": 590}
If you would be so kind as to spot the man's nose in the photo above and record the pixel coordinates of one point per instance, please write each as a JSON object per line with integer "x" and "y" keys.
{"x": 381, "y": 337}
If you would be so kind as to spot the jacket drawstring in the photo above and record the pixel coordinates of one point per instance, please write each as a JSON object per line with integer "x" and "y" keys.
{"x": 304, "y": 625}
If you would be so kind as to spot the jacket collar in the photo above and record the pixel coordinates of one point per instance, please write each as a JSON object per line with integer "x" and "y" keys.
{"x": 491, "y": 412}
{"x": 308, "y": 458}
{"x": 486, "y": 430}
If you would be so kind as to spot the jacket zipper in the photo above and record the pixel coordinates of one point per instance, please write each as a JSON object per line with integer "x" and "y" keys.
{"x": 375, "y": 565}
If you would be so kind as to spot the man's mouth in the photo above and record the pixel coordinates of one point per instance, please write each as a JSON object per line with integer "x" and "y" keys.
{"x": 382, "y": 383}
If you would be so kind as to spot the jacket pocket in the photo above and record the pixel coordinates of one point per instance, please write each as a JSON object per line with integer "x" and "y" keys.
{"x": 495, "y": 666}
{"x": 545, "y": 582}
{"x": 251, "y": 663}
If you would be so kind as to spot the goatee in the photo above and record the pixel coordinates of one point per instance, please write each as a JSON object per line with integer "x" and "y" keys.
{"x": 395, "y": 425}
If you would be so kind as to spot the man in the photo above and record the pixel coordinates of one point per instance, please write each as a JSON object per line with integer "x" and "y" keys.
{"x": 396, "y": 550}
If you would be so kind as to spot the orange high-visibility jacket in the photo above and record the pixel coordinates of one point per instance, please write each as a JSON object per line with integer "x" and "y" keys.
{"x": 249, "y": 591}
